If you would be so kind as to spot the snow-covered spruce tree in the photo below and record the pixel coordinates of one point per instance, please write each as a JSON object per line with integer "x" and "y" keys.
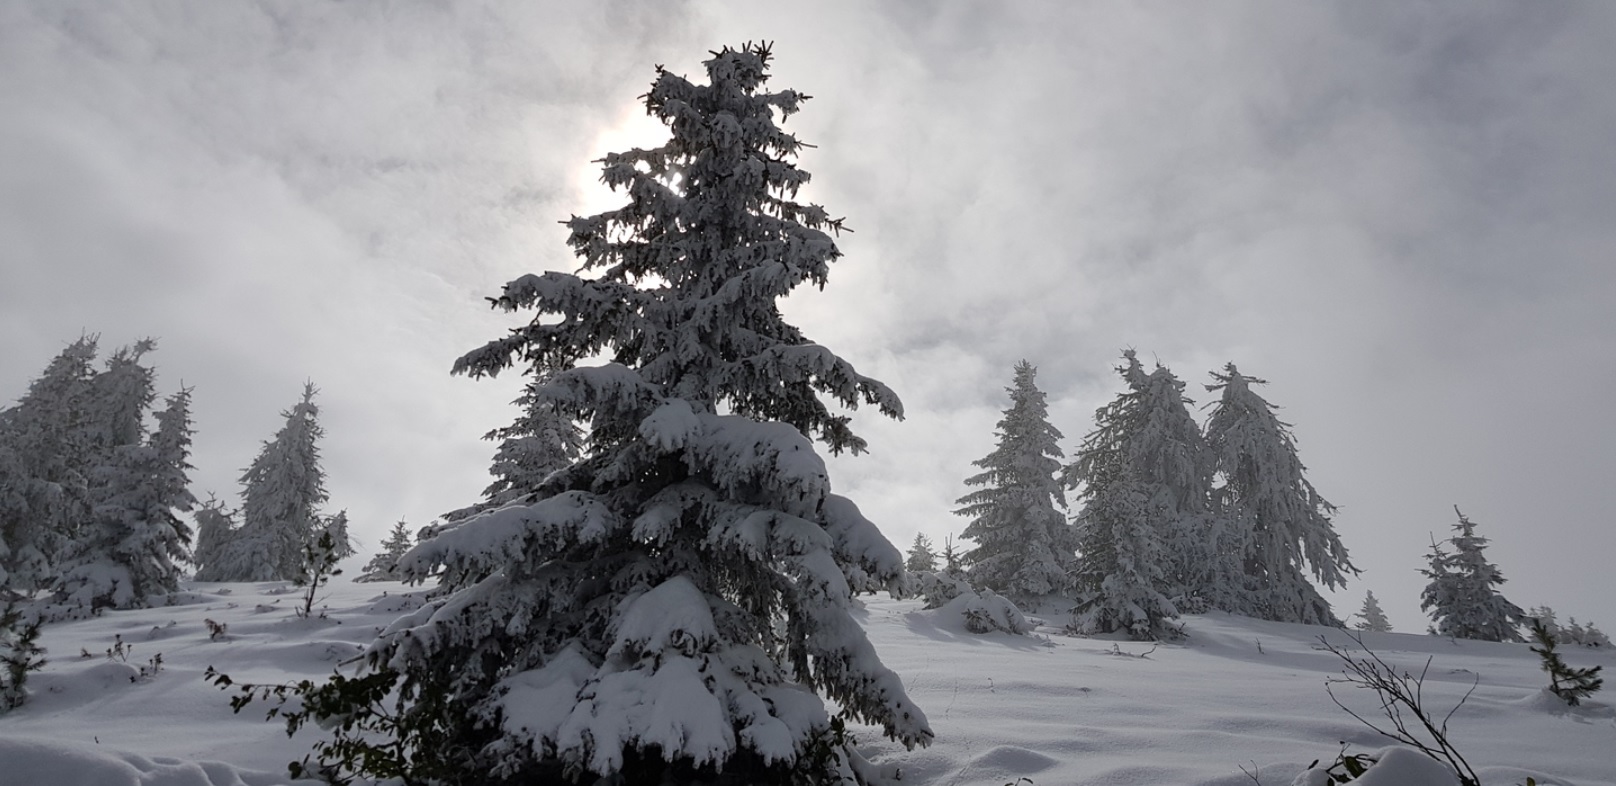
{"x": 281, "y": 495}
{"x": 44, "y": 469}
{"x": 1024, "y": 545}
{"x": 215, "y": 529}
{"x": 1462, "y": 596}
{"x": 921, "y": 558}
{"x": 384, "y": 566}
{"x": 1371, "y": 618}
{"x": 667, "y": 607}
{"x": 1265, "y": 495}
{"x": 135, "y": 542}
{"x": 1141, "y": 475}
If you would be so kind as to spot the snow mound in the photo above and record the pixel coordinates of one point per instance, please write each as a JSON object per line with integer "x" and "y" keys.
{"x": 32, "y": 761}
{"x": 1393, "y": 767}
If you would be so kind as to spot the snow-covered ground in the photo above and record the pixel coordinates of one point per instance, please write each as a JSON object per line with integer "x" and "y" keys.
{"x": 1050, "y": 709}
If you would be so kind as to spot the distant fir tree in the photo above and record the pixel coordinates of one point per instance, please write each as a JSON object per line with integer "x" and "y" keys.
{"x": 666, "y": 608}
{"x": 133, "y": 547}
{"x": 384, "y": 566}
{"x": 921, "y": 557}
{"x": 1266, "y": 496}
{"x": 215, "y": 529}
{"x": 282, "y": 492}
{"x": 1462, "y": 596}
{"x": 45, "y": 464}
{"x": 1141, "y": 475}
{"x": 1371, "y": 618}
{"x": 1025, "y": 548}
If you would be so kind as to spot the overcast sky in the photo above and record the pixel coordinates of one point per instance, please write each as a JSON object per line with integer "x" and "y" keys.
{"x": 1401, "y": 214}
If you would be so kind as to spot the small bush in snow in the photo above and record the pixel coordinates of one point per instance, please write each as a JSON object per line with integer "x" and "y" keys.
{"x": 1399, "y": 696}
{"x": 985, "y": 611}
{"x": 938, "y": 588}
{"x": 319, "y": 565}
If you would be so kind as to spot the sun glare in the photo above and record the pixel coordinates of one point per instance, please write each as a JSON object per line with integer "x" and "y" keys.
{"x": 630, "y": 129}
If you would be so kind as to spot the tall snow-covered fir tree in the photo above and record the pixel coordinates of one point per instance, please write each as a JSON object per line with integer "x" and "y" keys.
{"x": 135, "y": 542}
{"x": 384, "y": 566}
{"x": 1462, "y": 596}
{"x": 1141, "y": 475}
{"x": 1025, "y": 549}
{"x": 282, "y": 491}
{"x": 671, "y": 607}
{"x": 44, "y": 469}
{"x": 1265, "y": 495}
{"x": 1371, "y": 619}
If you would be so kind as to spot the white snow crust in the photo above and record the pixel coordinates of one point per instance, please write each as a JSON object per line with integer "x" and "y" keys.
{"x": 1051, "y": 708}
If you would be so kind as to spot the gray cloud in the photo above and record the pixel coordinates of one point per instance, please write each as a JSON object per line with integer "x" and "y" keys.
{"x": 1396, "y": 212}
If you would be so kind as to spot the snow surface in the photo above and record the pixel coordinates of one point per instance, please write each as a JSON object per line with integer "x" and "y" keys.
{"x": 1054, "y": 709}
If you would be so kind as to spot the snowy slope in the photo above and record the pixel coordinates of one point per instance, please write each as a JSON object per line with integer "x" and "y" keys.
{"x": 1052, "y": 709}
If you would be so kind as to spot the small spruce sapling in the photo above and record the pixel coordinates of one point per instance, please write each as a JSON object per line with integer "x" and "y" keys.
{"x": 319, "y": 565}
{"x": 20, "y": 654}
{"x": 951, "y": 556}
{"x": 1571, "y": 685}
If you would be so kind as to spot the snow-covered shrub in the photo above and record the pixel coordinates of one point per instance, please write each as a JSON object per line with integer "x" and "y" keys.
{"x": 938, "y": 587}
{"x": 1397, "y": 766}
{"x": 986, "y": 611}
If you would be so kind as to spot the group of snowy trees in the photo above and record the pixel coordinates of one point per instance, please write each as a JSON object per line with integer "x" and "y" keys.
{"x": 90, "y": 491}
{"x": 1464, "y": 602}
{"x": 1170, "y": 513}
{"x": 93, "y": 482}
{"x": 280, "y": 519}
